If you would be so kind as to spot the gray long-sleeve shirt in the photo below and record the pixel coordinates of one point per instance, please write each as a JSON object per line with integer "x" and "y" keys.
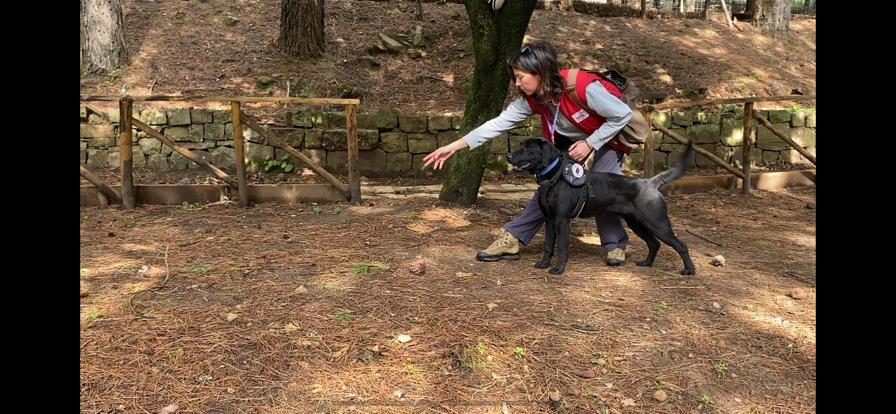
{"x": 616, "y": 113}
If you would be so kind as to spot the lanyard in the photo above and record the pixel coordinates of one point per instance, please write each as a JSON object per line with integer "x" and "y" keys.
{"x": 553, "y": 126}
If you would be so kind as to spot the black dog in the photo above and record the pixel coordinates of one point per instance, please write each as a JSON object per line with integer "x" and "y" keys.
{"x": 636, "y": 200}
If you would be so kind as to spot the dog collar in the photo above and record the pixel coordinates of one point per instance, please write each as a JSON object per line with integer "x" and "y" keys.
{"x": 550, "y": 167}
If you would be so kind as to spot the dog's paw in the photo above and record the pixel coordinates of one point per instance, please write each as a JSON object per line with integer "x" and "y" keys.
{"x": 542, "y": 264}
{"x": 644, "y": 263}
{"x": 688, "y": 272}
{"x": 556, "y": 270}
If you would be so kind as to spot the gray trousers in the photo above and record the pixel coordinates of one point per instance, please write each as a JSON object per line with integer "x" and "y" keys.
{"x": 609, "y": 226}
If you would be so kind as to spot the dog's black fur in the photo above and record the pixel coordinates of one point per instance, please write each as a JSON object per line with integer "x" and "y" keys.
{"x": 636, "y": 200}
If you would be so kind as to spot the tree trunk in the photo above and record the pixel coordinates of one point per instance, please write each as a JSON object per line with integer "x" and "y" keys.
{"x": 706, "y": 14}
{"x": 496, "y": 35}
{"x": 643, "y": 9}
{"x": 807, "y": 7}
{"x": 773, "y": 17}
{"x": 301, "y": 28}
{"x": 750, "y": 9}
{"x": 102, "y": 36}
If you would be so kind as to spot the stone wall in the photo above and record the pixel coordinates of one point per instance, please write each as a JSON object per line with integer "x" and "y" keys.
{"x": 392, "y": 144}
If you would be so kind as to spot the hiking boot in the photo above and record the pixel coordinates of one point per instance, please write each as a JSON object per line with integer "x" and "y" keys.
{"x": 615, "y": 257}
{"x": 506, "y": 246}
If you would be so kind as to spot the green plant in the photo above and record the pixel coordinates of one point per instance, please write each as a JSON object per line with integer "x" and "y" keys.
{"x": 706, "y": 399}
{"x": 519, "y": 352}
{"x": 472, "y": 359}
{"x": 720, "y": 368}
{"x": 197, "y": 269}
{"x": 344, "y": 315}
{"x": 662, "y": 308}
{"x": 185, "y": 206}
{"x": 94, "y": 314}
{"x": 412, "y": 369}
{"x": 364, "y": 268}
{"x": 284, "y": 163}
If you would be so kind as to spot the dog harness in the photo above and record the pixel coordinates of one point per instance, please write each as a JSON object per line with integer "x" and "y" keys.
{"x": 572, "y": 172}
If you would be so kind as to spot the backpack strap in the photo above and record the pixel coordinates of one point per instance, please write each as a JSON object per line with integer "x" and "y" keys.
{"x": 570, "y": 89}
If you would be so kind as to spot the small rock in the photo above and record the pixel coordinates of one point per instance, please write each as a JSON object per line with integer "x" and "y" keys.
{"x": 85, "y": 293}
{"x": 375, "y": 349}
{"x": 585, "y": 374}
{"x": 810, "y": 205}
{"x": 554, "y": 395}
{"x": 716, "y": 305}
{"x": 718, "y": 260}
{"x": 264, "y": 82}
{"x": 143, "y": 269}
{"x": 404, "y": 338}
{"x": 169, "y": 409}
{"x": 463, "y": 274}
{"x": 399, "y": 394}
{"x": 231, "y": 390}
{"x": 506, "y": 211}
{"x": 659, "y": 395}
{"x": 418, "y": 267}
{"x": 231, "y": 21}
{"x": 231, "y": 316}
{"x": 797, "y": 293}
{"x": 301, "y": 290}
{"x": 491, "y": 306}
{"x": 372, "y": 61}
{"x": 600, "y": 361}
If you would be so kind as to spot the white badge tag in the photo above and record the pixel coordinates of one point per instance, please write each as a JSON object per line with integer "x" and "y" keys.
{"x": 579, "y": 116}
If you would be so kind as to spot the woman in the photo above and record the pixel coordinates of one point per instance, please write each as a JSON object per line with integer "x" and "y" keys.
{"x": 540, "y": 83}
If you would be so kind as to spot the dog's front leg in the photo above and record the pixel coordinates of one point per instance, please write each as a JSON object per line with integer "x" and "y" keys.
{"x": 561, "y": 228}
{"x": 550, "y": 234}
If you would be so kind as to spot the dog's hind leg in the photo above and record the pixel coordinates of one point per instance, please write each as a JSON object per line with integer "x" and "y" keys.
{"x": 550, "y": 235}
{"x": 653, "y": 245}
{"x": 663, "y": 231}
{"x": 561, "y": 228}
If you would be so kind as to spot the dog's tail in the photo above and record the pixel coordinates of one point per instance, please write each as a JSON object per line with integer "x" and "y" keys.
{"x": 676, "y": 171}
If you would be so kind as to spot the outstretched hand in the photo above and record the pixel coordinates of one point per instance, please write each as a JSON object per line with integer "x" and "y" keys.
{"x": 438, "y": 157}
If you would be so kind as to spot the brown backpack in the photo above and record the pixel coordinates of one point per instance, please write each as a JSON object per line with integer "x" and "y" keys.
{"x": 636, "y": 131}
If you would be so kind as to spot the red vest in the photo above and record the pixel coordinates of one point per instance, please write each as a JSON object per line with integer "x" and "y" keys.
{"x": 579, "y": 117}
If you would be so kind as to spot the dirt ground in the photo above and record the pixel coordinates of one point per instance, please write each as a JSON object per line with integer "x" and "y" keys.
{"x": 189, "y": 48}
{"x": 301, "y": 308}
